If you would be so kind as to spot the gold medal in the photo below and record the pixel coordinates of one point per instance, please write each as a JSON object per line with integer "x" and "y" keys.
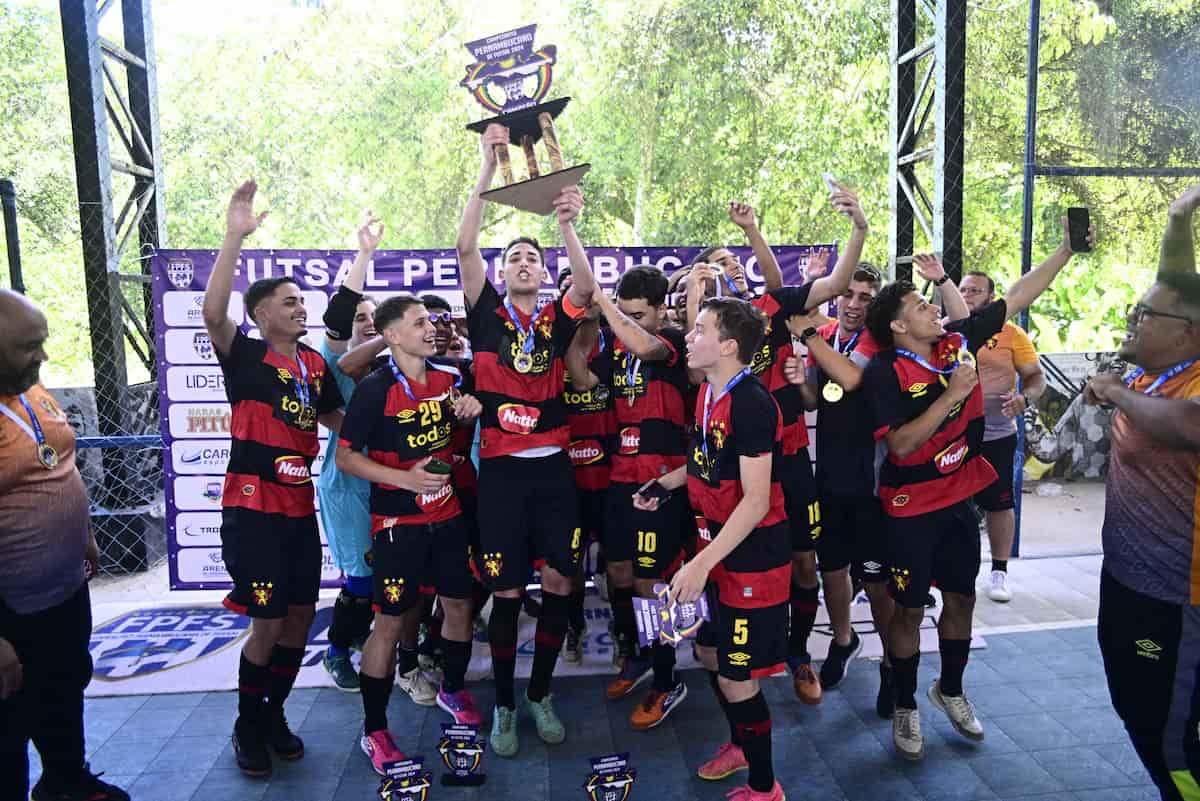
{"x": 47, "y": 456}
{"x": 966, "y": 357}
{"x": 601, "y": 393}
{"x": 522, "y": 363}
{"x": 832, "y": 392}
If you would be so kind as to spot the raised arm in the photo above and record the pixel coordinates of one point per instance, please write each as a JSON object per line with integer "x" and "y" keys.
{"x": 576, "y": 356}
{"x": 339, "y": 315}
{"x": 930, "y": 268}
{"x": 471, "y": 268}
{"x": 1028, "y": 287}
{"x": 567, "y": 206}
{"x": 637, "y": 340}
{"x": 744, "y": 217}
{"x": 836, "y": 282}
{"x": 240, "y": 222}
{"x": 357, "y": 361}
{"x": 1178, "y": 253}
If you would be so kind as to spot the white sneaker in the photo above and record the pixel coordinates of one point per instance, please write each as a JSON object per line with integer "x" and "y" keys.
{"x": 959, "y": 710}
{"x": 906, "y": 734}
{"x": 998, "y": 591}
{"x": 419, "y": 688}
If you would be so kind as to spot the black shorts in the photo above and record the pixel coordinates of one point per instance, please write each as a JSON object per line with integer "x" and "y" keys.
{"x": 412, "y": 559}
{"x": 941, "y": 546}
{"x": 526, "y": 507}
{"x": 274, "y": 561}
{"x": 651, "y": 540}
{"x": 853, "y": 534}
{"x": 800, "y": 501}
{"x": 750, "y": 643}
{"x": 998, "y": 496}
{"x": 592, "y": 505}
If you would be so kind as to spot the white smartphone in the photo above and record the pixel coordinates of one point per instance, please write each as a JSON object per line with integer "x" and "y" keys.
{"x": 830, "y": 181}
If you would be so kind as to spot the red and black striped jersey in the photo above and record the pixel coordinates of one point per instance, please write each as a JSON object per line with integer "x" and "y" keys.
{"x": 274, "y": 431}
{"x": 399, "y": 430}
{"x": 521, "y": 410}
{"x": 462, "y": 438}
{"x": 743, "y": 422}
{"x": 648, "y": 402}
{"x": 949, "y": 467}
{"x": 592, "y": 424}
{"x": 778, "y": 305}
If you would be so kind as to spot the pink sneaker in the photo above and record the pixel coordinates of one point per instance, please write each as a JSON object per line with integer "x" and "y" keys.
{"x": 381, "y": 750}
{"x": 729, "y": 760}
{"x": 746, "y": 794}
{"x": 461, "y": 706}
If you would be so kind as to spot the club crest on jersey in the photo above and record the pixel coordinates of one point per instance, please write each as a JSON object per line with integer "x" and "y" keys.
{"x": 146, "y": 641}
{"x": 393, "y": 589}
{"x": 493, "y": 564}
{"x": 180, "y": 272}
{"x": 261, "y": 592}
{"x": 516, "y": 418}
{"x": 292, "y": 470}
{"x": 952, "y": 457}
{"x": 902, "y": 577}
{"x": 718, "y": 432}
{"x": 585, "y": 452}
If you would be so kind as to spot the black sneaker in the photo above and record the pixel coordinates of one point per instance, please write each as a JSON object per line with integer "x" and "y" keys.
{"x": 885, "y": 702}
{"x": 284, "y": 743}
{"x": 251, "y": 751}
{"x": 833, "y": 669}
{"x": 624, "y": 649}
{"x": 87, "y": 787}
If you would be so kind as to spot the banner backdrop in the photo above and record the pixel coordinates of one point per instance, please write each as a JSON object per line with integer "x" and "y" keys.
{"x": 192, "y": 401}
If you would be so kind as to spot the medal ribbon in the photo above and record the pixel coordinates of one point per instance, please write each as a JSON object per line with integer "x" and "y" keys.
{"x": 402, "y": 379}
{"x": 1158, "y": 382}
{"x": 301, "y": 383}
{"x": 709, "y": 403}
{"x": 35, "y": 433}
{"x": 908, "y": 354}
{"x": 850, "y": 343}
{"x": 632, "y": 368}
{"x": 526, "y": 334}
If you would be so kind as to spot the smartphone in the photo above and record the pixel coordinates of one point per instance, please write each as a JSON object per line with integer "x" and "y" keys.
{"x": 830, "y": 181}
{"x": 1078, "y": 222}
{"x": 652, "y": 489}
{"x": 439, "y": 467}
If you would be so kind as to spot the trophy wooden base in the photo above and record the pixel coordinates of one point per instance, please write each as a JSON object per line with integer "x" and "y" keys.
{"x": 537, "y": 195}
{"x": 524, "y": 122}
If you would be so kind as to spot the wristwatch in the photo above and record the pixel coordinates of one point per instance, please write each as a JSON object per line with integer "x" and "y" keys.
{"x": 808, "y": 332}
{"x": 942, "y": 280}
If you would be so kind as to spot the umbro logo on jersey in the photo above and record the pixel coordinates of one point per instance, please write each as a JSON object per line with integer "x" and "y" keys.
{"x": 739, "y": 659}
{"x": 1149, "y": 649}
{"x": 292, "y": 470}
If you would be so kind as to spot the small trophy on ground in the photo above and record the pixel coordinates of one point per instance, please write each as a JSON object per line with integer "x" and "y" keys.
{"x": 405, "y": 781}
{"x": 506, "y": 64}
{"x": 610, "y": 779}
{"x": 462, "y": 753}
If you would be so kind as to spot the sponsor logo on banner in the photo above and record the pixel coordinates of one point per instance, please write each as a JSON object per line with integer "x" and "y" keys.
{"x": 185, "y": 309}
{"x": 292, "y": 470}
{"x": 200, "y": 457}
{"x": 585, "y": 451}
{"x": 153, "y": 640}
{"x": 631, "y": 440}
{"x": 198, "y": 493}
{"x": 198, "y": 528}
{"x": 432, "y": 500}
{"x": 189, "y": 346}
{"x": 517, "y": 419}
{"x": 198, "y": 420}
{"x": 195, "y": 384}
{"x": 181, "y": 272}
{"x": 952, "y": 457}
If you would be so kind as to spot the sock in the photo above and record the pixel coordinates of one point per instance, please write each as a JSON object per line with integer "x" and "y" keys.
{"x": 621, "y": 599}
{"x": 285, "y": 664}
{"x": 715, "y": 683}
{"x": 804, "y": 614}
{"x": 375, "y": 694}
{"x": 547, "y": 643}
{"x": 479, "y": 598}
{"x": 458, "y": 654}
{"x": 502, "y": 638}
{"x": 341, "y": 629}
{"x": 663, "y": 659}
{"x": 752, "y": 721}
{"x": 954, "y": 662}
{"x": 904, "y": 680}
{"x": 406, "y": 660}
{"x": 575, "y": 611}
{"x": 1000, "y": 564}
{"x": 252, "y": 691}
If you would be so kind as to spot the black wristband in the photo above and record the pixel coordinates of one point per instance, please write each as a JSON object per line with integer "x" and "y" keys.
{"x": 807, "y": 332}
{"x": 942, "y": 280}
{"x": 339, "y": 314}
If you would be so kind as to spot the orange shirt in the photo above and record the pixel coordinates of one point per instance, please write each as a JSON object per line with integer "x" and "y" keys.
{"x": 998, "y": 361}
{"x": 43, "y": 513}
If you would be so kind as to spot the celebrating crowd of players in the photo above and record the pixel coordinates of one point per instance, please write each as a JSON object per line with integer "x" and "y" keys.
{"x": 672, "y": 433}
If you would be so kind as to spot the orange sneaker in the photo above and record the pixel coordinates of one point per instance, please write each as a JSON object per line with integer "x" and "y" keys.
{"x": 728, "y": 761}
{"x": 746, "y": 794}
{"x": 656, "y": 707}
{"x": 633, "y": 673}
{"x": 806, "y": 684}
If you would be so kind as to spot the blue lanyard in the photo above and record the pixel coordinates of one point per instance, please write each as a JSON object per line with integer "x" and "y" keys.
{"x": 709, "y": 403}
{"x": 402, "y": 379}
{"x": 301, "y": 383}
{"x": 908, "y": 354}
{"x": 526, "y": 335}
{"x": 38, "y": 434}
{"x": 849, "y": 344}
{"x": 632, "y": 368}
{"x": 733, "y": 290}
{"x": 1138, "y": 373}
{"x": 601, "y": 343}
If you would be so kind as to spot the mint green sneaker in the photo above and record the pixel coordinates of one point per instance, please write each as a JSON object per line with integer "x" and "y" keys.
{"x": 503, "y": 740}
{"x": 549, "y": 727}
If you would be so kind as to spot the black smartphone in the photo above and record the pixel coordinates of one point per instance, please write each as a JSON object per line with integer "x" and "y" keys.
{"x": 439, "y": 467}
{"x": 652, "y": 489}
{"x": 1078, "y": 222}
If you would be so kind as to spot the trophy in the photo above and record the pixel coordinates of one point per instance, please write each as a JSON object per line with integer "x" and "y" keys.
{"x": 461, "y": 751}
{"x": 506, "y": 64}
{"x": 610, "y": 779}
{"x": 405, "y": 781}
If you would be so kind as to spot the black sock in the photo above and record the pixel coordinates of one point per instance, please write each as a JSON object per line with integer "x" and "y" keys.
{"x": 479, "y": 598}
{"x": 954, "y": 662}
{"x": 457, "y": 654}
{"x": 663, "y": 659}
{"x": 341, "y": 629}
{"x": 285, "y": 664}
{"x": 904, "y": 680}
{"x": 804, "y": 614}
{"x": 621, "y": 599}
{"x": 375, "y": 694}
{"x": 502, "y": 639}
{"x": 575, "y": 611}
{"x": 752, "y": 720}
{"x": 406, "y": 660}
{"x": 1000, "y": 564}
{"x": 547, "y": 643}
{"x": 252, "y": 692}
{"x": 715, "y": 683}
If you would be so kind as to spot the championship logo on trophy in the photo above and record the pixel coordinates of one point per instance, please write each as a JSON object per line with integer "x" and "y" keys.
{"x": 406, "y": 781}
{"x": 611, "y": 778}
{"x": 506, "y": 69}
{"x": 462, "y": 753}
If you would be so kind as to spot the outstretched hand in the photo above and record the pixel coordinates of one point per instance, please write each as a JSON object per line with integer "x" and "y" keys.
{"x": 742, "y": 215}
{"x": 240, "y": 219}
{"x": 846, "y": 202}
{"x": 929, "y": 266}
{"x": 368, "y": 239}
{"x": 817, "y": 264}
{"x": 568, "y": 204}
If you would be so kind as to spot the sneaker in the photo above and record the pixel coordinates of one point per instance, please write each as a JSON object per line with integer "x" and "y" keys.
{"x": 431, "y": 665}
{"x": 658, "y": 704}
{"x": 86, "y": 787}
{"x": 906, "y": 734}
{"x": 380, "y": 749}
{"x": 633, "y": 673}
{"x": 344, "y": 676}
{"x": 745, "y": 793}
{"x": 959, "y": 710}
{"x": 573, "y": 646}
{"x": 999, "y": 591}
{"x": 250, "y": 749}
{"x": 419, "y": 688}
{"x": 806, "y": 684}
{"x": 549, "y": 727}
{"x": 728, "y": 761}
{"x": 833, "y": 669}
{"x": 885, "y": 702}
{"x": 503, "y": 739}
{"x": 283, "y": 742}
{"x": 461, "y": 705}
